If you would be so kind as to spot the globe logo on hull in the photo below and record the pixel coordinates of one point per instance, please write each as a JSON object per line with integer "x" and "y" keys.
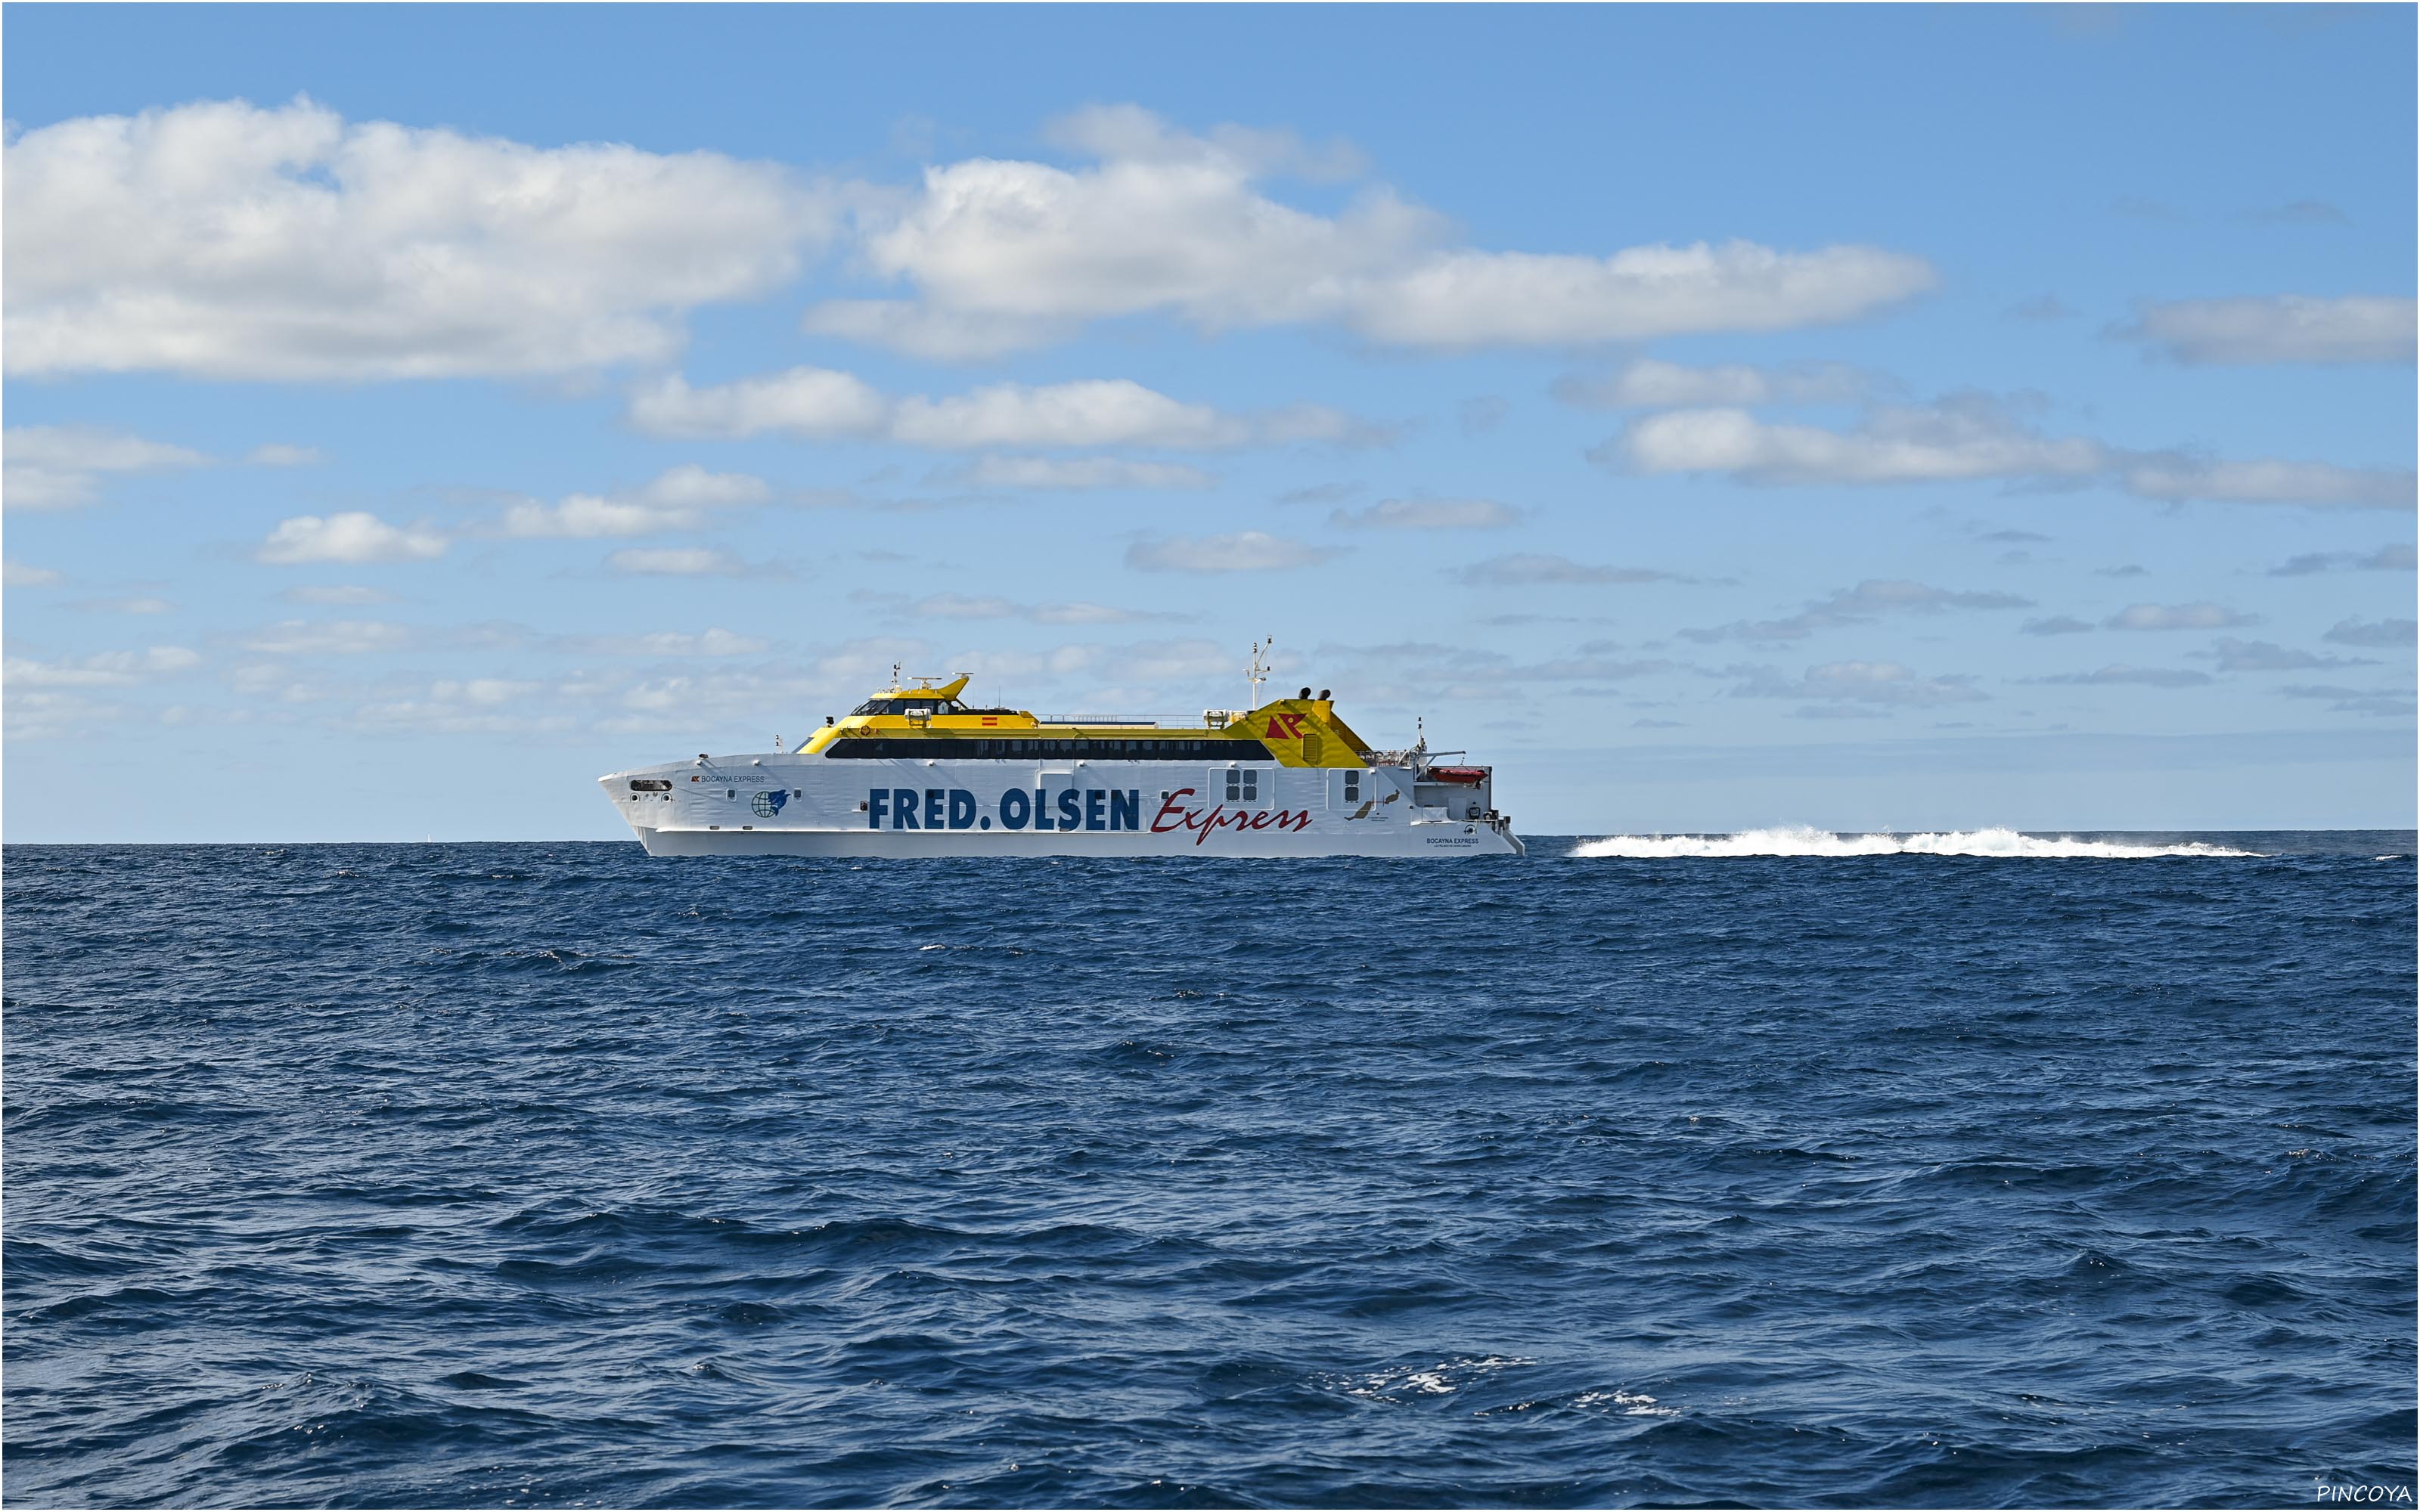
{"x": 765, "y": 804}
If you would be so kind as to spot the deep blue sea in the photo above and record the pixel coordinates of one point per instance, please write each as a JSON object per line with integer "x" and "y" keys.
{"x": 550, "y": 1175}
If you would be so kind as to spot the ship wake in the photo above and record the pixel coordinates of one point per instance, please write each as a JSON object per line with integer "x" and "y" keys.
{"x": 1798, "y": 839}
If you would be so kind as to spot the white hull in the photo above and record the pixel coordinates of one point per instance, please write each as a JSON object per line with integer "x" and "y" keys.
{"x": 794, "y": 804}
{"x": 1426, "y": 839}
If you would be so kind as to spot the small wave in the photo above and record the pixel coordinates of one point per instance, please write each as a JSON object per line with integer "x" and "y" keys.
{"x": 1799, "y": 840}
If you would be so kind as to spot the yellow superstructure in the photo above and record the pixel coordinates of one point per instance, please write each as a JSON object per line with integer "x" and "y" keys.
{"x": 1295, "y": 732}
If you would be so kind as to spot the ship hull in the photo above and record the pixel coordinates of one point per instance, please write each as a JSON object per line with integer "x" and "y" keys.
{"x": 793, "y": 804}
{"x": 1444, "y": 839}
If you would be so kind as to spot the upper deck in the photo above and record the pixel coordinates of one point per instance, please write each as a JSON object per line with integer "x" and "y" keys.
{"x": 931, "y": 721}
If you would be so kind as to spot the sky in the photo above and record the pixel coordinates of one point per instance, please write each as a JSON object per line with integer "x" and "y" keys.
{"x": 1711, "y": 417}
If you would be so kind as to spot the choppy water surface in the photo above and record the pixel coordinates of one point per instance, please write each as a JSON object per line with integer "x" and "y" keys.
{"x": 549, "y": 1174}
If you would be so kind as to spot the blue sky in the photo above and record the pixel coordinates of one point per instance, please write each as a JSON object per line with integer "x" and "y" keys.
{"x": 1901, "y": 417}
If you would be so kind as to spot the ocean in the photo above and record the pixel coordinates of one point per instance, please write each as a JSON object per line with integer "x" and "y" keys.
{"x": 1785, "y": 1170}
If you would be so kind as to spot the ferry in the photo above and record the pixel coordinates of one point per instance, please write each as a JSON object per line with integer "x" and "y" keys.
{"x": 916, "y": 770}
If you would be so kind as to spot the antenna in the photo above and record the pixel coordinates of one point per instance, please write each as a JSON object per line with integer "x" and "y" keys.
{"x": 1258, "y": 673}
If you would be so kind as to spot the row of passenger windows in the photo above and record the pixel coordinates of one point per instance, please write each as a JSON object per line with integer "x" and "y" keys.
{"x": 947, "y": 748}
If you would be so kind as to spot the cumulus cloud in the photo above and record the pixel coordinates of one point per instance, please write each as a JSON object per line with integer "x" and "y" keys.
{"x": 715, "y": 641}
{"x": 1005, "y": 253}
{"x": 2324, "y": 484}
{"x": 675, "y": 501}
{"x": 60, "y": 467}
{"x": 676, "y": 561}
{"x": 2234, "y": 656}
{"x": 1428, "y": 515}
{"x": 2286, "y": 328}
{"x": 1649, "y": 384}
{"x": 2200, "y": 616}
{"x": 218, "y": 239}
{"x": 1856, "y": 682}
{"x": 2300, "y": 212}
{"x": 278, "y": 454}
{"x": 337, "y": 595}
{"x": 1525, "y": 569}
{"x": 818, "y": 404}
{"x": 1976, "y": 437}
{"x": 1861, "y": 605}
{"x": 1081, "y": 473}
{"x": 1245, "y": 551}
{"x": 1417, "y": 671}
{"x": 355, "y": 536}
{"x": 17, "y": 575}
{"x": 2121, "y": 674}
{"x": 2383, "y": 705}
{"x": 1895, "y": 443}
{"x": 2042, "y": 309}
{"x": 2385, "y": 634}
{"x": 991, "y": 607}
{"x": 2390, "y": 558}
{"x": 109, "y": 668}
{"x": 2055, "y": 625}
{"x": 329, "y": 638}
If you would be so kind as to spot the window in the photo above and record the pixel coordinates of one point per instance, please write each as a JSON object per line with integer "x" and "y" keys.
{"x": 731, "y": 792}
{"x": 1353, "y": 787}
{"x": 1243, "y": 784}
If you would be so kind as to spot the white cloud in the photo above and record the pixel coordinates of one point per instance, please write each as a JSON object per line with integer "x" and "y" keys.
{"x": 1095, "y": 412}
{"x": 124, "y": 606}
{"x": 218, "y": 239}
{"x": 987, "y": 607}
{"x": 1245, "y": 551}
{"x": 1041, "y": 472}
{"x": 110, "y": 669}
{"x": 1892, "y": 444}
{"x": 277, "y": 455}
{"x": 1006, "y": 254}
{"x": 691, "y": 487}
{"x": 2203, "y": 616}
{"x": 337, "y": 594}
{"x": 2055, "y": 625}
{"x": 676, "y": 561}
{"x": 2234, "y": 656}
{"x": 586, "y": 517}
{"x": 60, "y": 467}
{"x": 1861, "y": 605}
{"x": 1857, "y": 681}
{"x": 818, "y": 404}
{"x": 328, "y": 638}
{"x": 716, "y": 642}
{"x": 677, "y": 500}
{"x": 2121, "y": 674}
{"x": 17, "y": 575}
{"x": 2286, "y": 328}
{"x": 1972, "y": 436}
{"x": 2392, "y": 557}
{"x": 811, "y": 402}
{"x": 2386, "y": 634}
{"x": 1526, "y": 569}
{"x": 354, "y": 536}
{"x": 1649, "y": 384}
{"x": 1428, "y": 515}
{"x": 2316, "y": 484}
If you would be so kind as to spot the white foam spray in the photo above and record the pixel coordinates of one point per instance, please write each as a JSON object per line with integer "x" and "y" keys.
{"x": 1798, "y": 839}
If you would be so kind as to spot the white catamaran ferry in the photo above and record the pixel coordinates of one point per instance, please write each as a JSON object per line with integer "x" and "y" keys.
{"x": 916, "y": 771}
